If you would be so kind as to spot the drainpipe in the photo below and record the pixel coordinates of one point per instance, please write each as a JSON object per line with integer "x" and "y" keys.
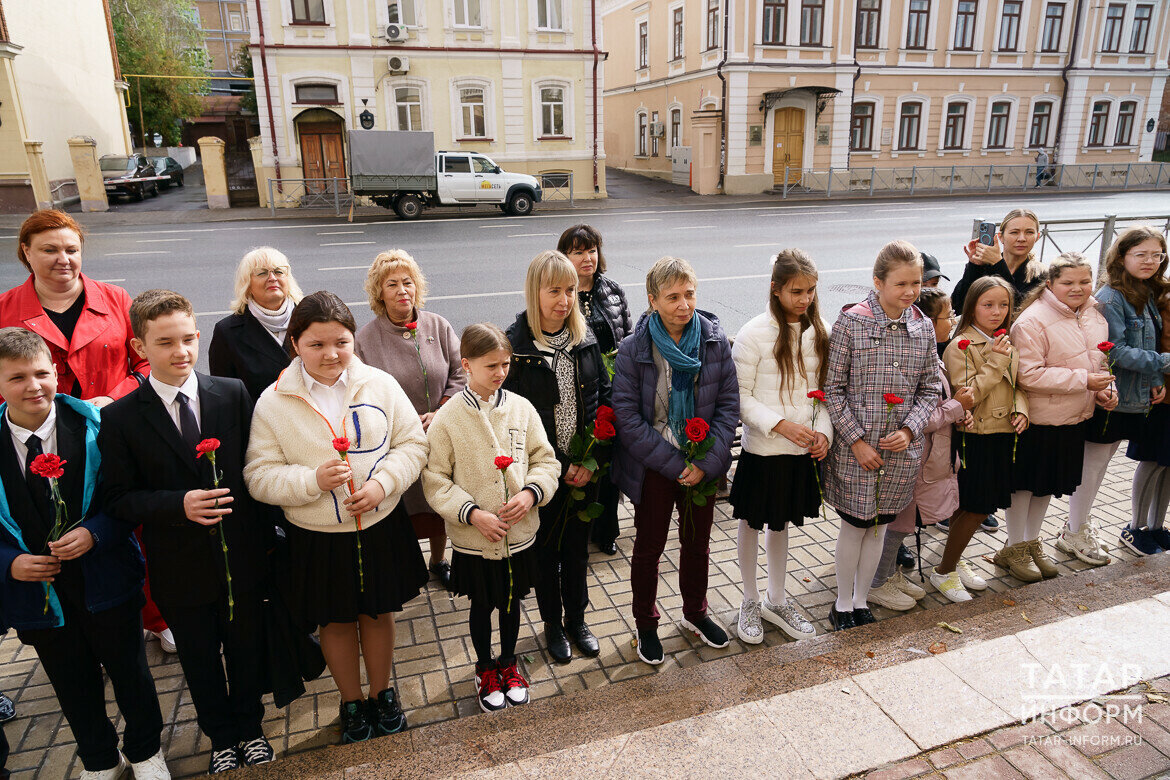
{"x": 596, "y": 58}
{"x": 1074, "y": 43}
{"x": 268, "y": 95}
{"x": 853, "y": 95}
{"x": 723, "y": 98}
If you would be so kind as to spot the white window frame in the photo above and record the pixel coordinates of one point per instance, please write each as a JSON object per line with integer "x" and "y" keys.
{"x": 392, "y": 99}
{"x": 466, "y": 6}
{"x": 567, "y": 114}
{"x": 536, "y": 8}
{"x": 382, "y": 13}
{"x": 968, "y": 123}
{"x": 875, "y": 139}
{"x": 923, "y": 123}
{"x": 670, "y": 109}
{"x": 1053, "y": 119}
{"x": 1151, "y": 30}
{"x": 641, "y": 140}
{"x": 1022, "y": 34}
{"x": 719, "y": 32}
{"x": 977, "y": 35}
{"x": 489, "y": 112}
{"x": 882, "y": 28}
{"x": 879, "y": 108}
{"x": 931, "y": 25}
{"x": 679, "y": 6}
{"x": 638, "y": 66}
{"x": 286, "y": 16}
{"x": 1065, "y": 27}
{"x": 1012, "y": 125}
{"x": 1110, "y": 120}
{"x": 1136, "y": 131}
{"x": 1123, "y": 32}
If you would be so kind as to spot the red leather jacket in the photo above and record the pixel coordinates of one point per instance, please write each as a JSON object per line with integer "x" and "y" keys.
{"x": 100, "y": 357}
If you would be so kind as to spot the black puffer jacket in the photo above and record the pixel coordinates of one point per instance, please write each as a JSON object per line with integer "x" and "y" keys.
{"x": 531, "y": 377}
{"x": 608, "y": 312}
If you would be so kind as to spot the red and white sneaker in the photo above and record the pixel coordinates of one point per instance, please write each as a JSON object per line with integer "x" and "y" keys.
{"x": 487, "y": 687}
{"x": 515, "y": 686}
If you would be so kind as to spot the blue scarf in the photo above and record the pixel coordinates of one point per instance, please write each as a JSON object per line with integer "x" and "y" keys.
{"x": 683, "y": 359}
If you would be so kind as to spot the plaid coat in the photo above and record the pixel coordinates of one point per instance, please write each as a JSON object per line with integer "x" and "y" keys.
{"x": 870, "y": 355}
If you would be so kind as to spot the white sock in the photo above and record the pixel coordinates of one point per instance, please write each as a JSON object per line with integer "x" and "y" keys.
{"x": 1147, "y": 480}
{"x": 1092, "y": 474}
{"x": 847, "y": 557}
{"x": 749, "y": 560}
{"x": 1037, "y": 508}
{"x": 871, "y": 556}
{"x": 1017, "y": 517}
{"x": 777, "y": 544}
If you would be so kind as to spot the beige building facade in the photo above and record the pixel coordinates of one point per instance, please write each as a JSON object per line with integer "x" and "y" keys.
{"x": 56, "y": 81}
{"x": 813, "y": 84}
{"x": 517, "y": 80}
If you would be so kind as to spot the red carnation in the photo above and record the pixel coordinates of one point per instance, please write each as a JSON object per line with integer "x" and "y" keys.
{"x": 894, "y": 400}
{"x": 1105, "y": 346}
{"x": 341, "y": 444}
{"x": 697, "y": 429}
{"x": 411, "y": 325}
{"x": 207, "y": 445}
{"x": 503, "y": 462}
{"x": 603, "y": 430}
{"x": 1000, "y": 332}
{"x": 48, "y": 466}
{"x": 964, "y": 343}
{"x": 606, "y": 413}
{"x": 818, "y": 395}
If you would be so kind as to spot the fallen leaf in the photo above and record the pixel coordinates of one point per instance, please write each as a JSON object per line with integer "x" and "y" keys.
{"x": 869, "y": 653}
{"x": 1090, "y": 584}
{"x": 1157, "y": 698}
{"x": 949, "y": 627}
{"x": 1025, "y": 617}
{"x": 1082, "y": 608}
{"x": 634, "y": 642}
{"x": 527, "y": 659}
{"x": 989, "y": 559}
{"x": 806, "y": 579}
{"x": 1008, "y": 602}
{"x": 938, "y": 647}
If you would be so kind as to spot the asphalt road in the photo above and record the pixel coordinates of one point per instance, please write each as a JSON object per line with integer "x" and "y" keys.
{"x": 475, "y": 262}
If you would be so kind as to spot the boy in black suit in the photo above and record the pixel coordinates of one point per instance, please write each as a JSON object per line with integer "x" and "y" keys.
{"x": 76, "y": 600}
{"x": 152, "y": 477}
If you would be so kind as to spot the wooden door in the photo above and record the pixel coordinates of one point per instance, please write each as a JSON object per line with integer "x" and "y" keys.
{"x": 787, "y": 145}
{"x": 322, "y": 154}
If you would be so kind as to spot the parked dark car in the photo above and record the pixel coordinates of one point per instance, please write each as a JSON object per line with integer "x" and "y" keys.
{"x": 167, "y": 166}
{"x": 120, "y": 172}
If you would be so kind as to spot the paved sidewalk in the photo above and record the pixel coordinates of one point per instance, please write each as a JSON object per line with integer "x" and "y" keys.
{"x": 434, "y": 663}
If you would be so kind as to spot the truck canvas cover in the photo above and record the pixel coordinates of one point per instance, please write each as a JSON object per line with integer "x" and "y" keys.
{"x": 392, "y": 159}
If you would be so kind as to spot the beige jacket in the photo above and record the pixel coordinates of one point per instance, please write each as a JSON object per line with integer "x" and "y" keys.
{"x": 993, "y": 378}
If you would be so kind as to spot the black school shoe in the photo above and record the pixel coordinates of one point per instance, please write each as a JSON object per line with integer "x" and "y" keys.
{"x": 609, "y": 546}
{"x": 905, "y": 557}
{"x": 708, "y": 630}
{"x": 223, "y": 761}
{"x": 583, "y": 638}
{"x": 256, "y": 751}
{"x": 863, "y": 617}
{"x": 841, "y": 620}
{"x": 386, "y": 713}
{"x": 355, "y": 722}
{"x": 442, "y": 570}
{"x": 649, "y": 646}
{"x": 558, "y": 643}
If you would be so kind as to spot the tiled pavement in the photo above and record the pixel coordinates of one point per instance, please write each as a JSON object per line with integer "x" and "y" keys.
{"x": 433, "y": 663}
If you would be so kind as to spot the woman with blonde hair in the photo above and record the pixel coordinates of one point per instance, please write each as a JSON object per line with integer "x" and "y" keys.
{"x": 251, "y": 343}
{"x": 420, "y": 350}
{"x": 557, "y": 366}
{"x": 1010, "y": 257}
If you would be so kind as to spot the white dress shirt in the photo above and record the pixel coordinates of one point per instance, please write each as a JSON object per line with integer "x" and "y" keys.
{"x": 169, "y": 395}
{"x": 47, "y": 433}
{"x": 330, "y": 400}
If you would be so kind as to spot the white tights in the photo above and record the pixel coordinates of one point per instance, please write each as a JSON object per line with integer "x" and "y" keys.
{"x": 1149, "y": 495}
{"x": 749, "y": 557}
{"x": 1097, "y": 458}
{"x": 1025, "y": 517}
{"x": 859, "y": 550}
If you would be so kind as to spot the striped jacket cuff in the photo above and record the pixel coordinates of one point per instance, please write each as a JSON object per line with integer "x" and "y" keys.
{"x": 465, "y": 512}
{"x": 536, "y": 491}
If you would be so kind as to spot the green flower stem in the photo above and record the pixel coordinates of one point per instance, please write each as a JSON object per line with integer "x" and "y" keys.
{"x": 215, "y": 475}
{"x": 423, "y": 366}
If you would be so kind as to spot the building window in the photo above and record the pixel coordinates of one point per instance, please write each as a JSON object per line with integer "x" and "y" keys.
{"x": 997, "y": 127}
{"x": 408, "y": 103}
{"x": 812, "y": 22}
{"x": 552, "y": 111}
{"x": 1125, "y": 116}
{"x": 1114, "y": 19}
{"x": 236, "y": 21}
{"x": 548, "y": 14}
{"x": 869, "y": 19}
{"x": 1053, "y": 27}
{"x": 467, "y": 13}
{"x": 965, "y": 25}
{"x": 675, "y": 127}
{"x": 861, "y": 129}
{"x": 323, "y": 94}
{"x": 471, "y": 113}
{"x": 956, "y": 126}
{"x": 1009, "y": 25}
{"x": 654, "y": 132}
{"x": 676, "y": 33}
{"x": 775, "y": 21}
{"x": 1141, "y": 28}
{"x": 1098, "y": 123}
{"x": 909, "y": 123}
{"x": 643, "y": 45}
{"x": 917, "y": 24}
{"x": 642, "y": 135}
{"x": 712, "y": 24}
{"x": 308, "y": 11}
{"x": 402, "y": 12}
{"x": 1041, "y": 119}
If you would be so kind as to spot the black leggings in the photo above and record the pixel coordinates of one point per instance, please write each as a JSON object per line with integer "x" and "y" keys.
{"x": 481, "y": 632}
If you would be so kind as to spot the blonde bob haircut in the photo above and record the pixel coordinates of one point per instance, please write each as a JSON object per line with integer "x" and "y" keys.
{"x": 261, "y": 257}
{"x": 385, "y": 264}
{"x": 552, "y": 269}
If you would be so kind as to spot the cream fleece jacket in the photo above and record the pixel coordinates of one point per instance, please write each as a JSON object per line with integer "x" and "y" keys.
{"x": 291, "y": 438}
{"x": 466, "y": 435}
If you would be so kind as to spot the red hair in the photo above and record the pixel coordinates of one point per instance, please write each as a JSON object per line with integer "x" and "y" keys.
{"x": 40, "y": 222}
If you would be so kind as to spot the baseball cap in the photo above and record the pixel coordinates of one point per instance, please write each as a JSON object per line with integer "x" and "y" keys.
{"x": 931, "y": 269}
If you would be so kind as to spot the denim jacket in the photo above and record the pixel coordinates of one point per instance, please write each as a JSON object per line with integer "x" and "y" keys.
{"x": 1135, "y": 357}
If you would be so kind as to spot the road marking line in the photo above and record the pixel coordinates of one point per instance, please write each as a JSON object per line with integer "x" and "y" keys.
{"x": 745, "y": 246}
{"x": 161, "y": 240}
{"x": 493, "y": 227}
{"x": 348, "y": 243}
{"x": 696, "y": 227}
{"x": 122, "y": 254}
{"x": 340, "y": 232}
{"x": 651, "y": 219}
{"x": 110, "y": 281}
{"x": 528, "y": 235}
{"x": 922, "y": 208}
{"x": 875, "y": 219}
{"x": 345, "y": 268}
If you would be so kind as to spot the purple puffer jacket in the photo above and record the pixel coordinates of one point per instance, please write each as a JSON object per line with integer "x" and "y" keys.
{"x": 639, "y": 445}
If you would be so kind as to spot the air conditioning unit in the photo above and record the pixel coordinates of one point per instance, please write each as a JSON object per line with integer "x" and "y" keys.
{"x": 397, "y": 33}
{"x": 398, "y": 63}
{"x": 657, "y": 130}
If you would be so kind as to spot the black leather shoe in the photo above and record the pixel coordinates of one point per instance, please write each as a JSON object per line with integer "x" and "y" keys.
{"x": 609, "y": 547}
{"x": 841, "y": 620}
{"x": 558, "y": 643}
{"x": 905, "y": 557}
{"x": 442, "y": 570}
{"x": 863, "y": 617}
{"x": 583, "y": 638}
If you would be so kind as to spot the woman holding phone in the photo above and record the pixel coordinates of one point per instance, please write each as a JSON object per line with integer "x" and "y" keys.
{"x": 1008, "y": 256}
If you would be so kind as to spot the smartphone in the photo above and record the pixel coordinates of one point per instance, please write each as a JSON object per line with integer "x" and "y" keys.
{"x": 986, "y": 233}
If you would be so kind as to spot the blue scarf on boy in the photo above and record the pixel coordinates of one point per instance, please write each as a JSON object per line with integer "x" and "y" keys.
{"x": 683, "y": 359}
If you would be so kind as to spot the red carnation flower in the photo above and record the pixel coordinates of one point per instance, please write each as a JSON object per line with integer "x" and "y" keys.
{"x": 503, "y": 462}
{"x": 1000, "y": 332}
{"x": 818, "y": 395}
{"x": 1105, "y": 346}
{"x": 606, "y": 413}
{"x": 964, "y": 343}
{"x": 894, "y": 400}
{"x": 207, "y": 445}
{"x": 341, "y": 444}
{"x": 411, "y": 326}
{"x": 48, "y": 466}
{"x": 697, "y": 429}
{"x": 603, "y": 430}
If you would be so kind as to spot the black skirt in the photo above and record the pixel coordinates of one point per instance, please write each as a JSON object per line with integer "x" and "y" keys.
{"x": 1154, "y": 443}
{"x": 1109, "y": 427}
{"x": 489, "y": 582}
{"x": 985, "y": 476}
{"x": 1049, "y": 459}
{"x": 774, "y": 490}
{"x": 324, "y": 584}
{"x": 858, "y": 522}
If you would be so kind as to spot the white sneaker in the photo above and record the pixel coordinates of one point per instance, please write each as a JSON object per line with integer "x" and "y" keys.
{"x": 890, "y": 597}
{"x": 1083, "y": 544}
{"x": 751, "y": 630}
{"x": 167, "y": 640}
{"x": 153, "y": 768}
{"x": 785, "y": 617}
{"x": 949, "y": 585}
{"x": 108, "y": 774}
{"x": 911, "y": 589}
{"x": 967, "y": 576}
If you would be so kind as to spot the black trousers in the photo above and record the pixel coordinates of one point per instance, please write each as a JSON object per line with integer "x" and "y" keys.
{"x": 562, "y": 557}
{"x": 605, "y": 528}
{"x": 73, "y": 656}
{"x": 227, "y": 706}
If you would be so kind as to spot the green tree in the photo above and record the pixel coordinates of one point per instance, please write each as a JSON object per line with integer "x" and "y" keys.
{"x": 161, "y": 38}
{"x": 244, "y": 67}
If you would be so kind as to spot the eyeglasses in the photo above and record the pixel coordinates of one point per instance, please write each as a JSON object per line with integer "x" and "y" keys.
{"x": 1142, "y": 257}
{"x": 263, "y": 273}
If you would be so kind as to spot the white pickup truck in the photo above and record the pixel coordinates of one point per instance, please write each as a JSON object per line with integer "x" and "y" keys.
{"x": 402, "y": 171}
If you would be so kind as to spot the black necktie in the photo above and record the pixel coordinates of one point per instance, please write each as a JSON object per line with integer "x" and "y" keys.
{"x": 38, "y": 487}
{"x": 188, "y": 425}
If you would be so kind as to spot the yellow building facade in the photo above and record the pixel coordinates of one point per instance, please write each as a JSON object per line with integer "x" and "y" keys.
{"x": 813, "y": 84}
{"x": 518, "y": 80}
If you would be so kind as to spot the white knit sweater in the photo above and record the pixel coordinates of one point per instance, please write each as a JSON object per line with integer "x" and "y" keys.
{"x": 291, "y": 438}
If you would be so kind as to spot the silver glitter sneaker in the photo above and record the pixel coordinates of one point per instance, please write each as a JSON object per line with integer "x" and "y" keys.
{"x": 751, "y": 630}
{"x": 787, "y": 619}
